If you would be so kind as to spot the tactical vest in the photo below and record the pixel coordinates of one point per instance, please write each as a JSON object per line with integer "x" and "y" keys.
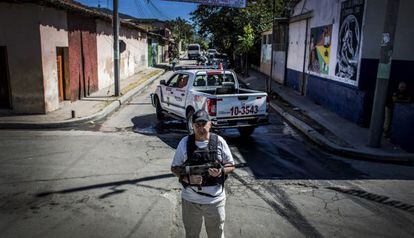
{"x": 197, "y": 156}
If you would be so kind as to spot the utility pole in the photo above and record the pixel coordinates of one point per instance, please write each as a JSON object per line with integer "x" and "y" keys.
{"x": 115, "y": 23}
{"x": 383, "y": 73}
{"x": 269, "y": 83}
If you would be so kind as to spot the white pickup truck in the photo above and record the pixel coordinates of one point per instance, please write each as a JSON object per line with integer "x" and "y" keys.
{"x": 216, "y": 91}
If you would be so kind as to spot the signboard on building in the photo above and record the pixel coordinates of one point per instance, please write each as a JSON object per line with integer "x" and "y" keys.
{"x": 223, "y": 3}
{"x": 349, "y": 39}
{"x": 320, "y": 49}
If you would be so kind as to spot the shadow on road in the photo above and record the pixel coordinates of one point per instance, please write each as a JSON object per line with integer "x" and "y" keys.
{"x": 112, "y": 185}
{"x": 276, "y": 152}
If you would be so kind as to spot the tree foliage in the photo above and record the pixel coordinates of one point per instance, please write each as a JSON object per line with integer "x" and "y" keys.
{"x": 245, "y": 41}
{"x": 181, "y": 30}
{"x": 224, "y": 26}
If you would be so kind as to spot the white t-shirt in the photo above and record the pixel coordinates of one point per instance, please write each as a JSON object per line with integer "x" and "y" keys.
{"x": 223, "y": 154}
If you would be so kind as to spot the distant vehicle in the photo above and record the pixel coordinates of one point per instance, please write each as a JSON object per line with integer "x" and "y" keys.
{"x": 212, "y": 51}
{"x": 223, "y": 59}
{"x": 194, "y": 51}
{"x": 216, "y": 91}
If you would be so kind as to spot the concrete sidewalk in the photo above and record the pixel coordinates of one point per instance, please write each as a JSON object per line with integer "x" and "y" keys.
{"x": 325, "y": 128}
{"x": 93, "y": 107}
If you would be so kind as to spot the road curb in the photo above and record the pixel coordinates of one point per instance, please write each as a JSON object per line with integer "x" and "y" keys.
{"x": 324, "y": 143}
{"x": 331, "y": 147}
{"x": 78, "y": 121}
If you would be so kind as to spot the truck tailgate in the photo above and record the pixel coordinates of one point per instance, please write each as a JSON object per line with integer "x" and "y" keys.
{"x": 241, "y": 105}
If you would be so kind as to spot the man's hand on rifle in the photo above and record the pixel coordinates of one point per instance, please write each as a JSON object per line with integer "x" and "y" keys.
{"x": 214, "y": 172}
{"x": 194, "y": 179}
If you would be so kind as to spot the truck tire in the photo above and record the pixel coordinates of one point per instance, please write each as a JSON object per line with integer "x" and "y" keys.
{"x": 189, "y": 121}
{"x": 158, "y": 109}
{"x": 246, "y": 131}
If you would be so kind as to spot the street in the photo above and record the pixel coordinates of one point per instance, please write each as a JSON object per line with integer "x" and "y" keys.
{"x": 112, "y": 178}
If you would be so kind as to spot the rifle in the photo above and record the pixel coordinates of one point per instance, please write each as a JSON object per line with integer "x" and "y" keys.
{"x": 201, "y": 169}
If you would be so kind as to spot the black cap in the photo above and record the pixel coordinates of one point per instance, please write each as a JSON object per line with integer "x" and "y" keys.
{"x": 201, "y": 115}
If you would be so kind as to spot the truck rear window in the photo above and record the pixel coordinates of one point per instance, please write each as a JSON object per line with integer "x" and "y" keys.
{"x": 213, "y": 79}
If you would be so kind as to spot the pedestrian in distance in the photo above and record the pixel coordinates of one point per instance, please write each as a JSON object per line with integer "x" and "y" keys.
{"x": 203, "y": 194}
{"x": 174, "y": 63}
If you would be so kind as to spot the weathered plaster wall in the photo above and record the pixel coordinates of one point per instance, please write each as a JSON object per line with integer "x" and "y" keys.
{"x": 22, "y": 39}
{"x": 53, "y": 33}
{"x": 132, "y": 60}
{"x": 82, "y": 55}
{"x": 265, "y": 56}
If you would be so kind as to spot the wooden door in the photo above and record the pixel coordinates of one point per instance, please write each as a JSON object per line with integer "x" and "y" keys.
{"x": 60, "y": 71}
{"x": 63, "y": 74}
{"x": 5, "y": 100}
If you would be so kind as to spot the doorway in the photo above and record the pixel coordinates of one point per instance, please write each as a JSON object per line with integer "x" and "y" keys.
{"x": 63, "y": 74}
{"x": 5, "y": 99}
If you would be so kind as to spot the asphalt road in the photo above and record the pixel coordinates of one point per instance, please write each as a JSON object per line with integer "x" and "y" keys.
{"x": 111, "y": 179}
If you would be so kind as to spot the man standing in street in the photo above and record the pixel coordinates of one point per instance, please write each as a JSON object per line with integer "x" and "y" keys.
{"x": 203, "y": 195}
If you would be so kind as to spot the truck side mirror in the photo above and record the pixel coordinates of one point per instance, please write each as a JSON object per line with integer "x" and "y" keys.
{"x": 162, "y": 82}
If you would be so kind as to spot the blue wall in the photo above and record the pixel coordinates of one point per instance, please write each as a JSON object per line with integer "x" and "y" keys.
{"x": 292, "y": 79}
{"x": 402, "y": 128}
{"x": 343, "y": 99}
{"x": 355, "y": 103}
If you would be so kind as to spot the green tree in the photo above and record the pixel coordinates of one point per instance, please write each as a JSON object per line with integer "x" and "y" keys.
{"x": 224, "y": 25}
{"x": 181, "y": 30}
{"x": 245, "y": 44}
{"x": 202, "y": 42}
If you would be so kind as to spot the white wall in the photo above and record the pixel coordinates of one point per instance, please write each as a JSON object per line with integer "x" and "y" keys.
{"x": 132, "y": 60}
{"x": 279, "y": 66}
{"x": 53, "y": 33}
{"x": 265, "y": 56}
{"x": 374, "y": 24}
{"x": 296, "y": 51}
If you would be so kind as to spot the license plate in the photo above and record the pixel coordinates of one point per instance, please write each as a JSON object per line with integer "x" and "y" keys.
{"x": 244, "y": 110}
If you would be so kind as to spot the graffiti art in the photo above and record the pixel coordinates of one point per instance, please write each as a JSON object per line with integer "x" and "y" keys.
{"x": 320, "y": 48}
{"x": 349, "y": 40}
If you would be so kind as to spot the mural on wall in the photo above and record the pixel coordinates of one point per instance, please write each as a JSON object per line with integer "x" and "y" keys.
{"x": 320, "y": 49}
{"x": 349, "y": 39}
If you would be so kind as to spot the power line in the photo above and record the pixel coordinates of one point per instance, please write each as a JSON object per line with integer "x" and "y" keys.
{"x": 162, "y": 14}
{"x": 139, "y": 9}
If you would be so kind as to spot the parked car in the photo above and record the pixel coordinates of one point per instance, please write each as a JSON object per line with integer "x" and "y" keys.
{"x": 216, "y": 91}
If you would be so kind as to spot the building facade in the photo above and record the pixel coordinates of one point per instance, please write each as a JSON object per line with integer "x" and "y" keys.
{"x": 60, "y": 50}
{"x": 333, "y": 50}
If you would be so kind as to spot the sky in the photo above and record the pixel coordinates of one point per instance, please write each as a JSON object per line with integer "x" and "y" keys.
{"x": 160, "y": 9}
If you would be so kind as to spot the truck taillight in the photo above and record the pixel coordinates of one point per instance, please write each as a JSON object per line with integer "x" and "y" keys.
{"x": 268, "y": 104}
{"x": 212, "y": 106}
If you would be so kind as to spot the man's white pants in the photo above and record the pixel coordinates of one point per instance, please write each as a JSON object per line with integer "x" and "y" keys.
{"x": 214, "y": 216}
